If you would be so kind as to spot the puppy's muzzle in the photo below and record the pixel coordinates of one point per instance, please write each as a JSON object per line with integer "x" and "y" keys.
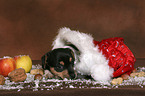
{"x": 73, "y": 75}
{"x": 64, "y": 74}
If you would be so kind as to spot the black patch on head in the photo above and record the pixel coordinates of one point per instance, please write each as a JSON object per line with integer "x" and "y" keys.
{"x": 54, "y": 58}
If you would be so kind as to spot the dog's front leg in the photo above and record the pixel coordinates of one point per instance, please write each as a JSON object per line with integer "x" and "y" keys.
{"x": 48, "y": 74}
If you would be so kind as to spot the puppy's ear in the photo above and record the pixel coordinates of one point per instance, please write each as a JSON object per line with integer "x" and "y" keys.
{"x": 44, "y": 60}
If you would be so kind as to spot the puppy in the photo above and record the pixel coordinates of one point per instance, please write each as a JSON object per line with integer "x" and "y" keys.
{"x": 60, "y": 62}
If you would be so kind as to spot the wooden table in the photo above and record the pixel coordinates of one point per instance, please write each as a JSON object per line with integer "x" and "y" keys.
{"x": 131, "y": 90}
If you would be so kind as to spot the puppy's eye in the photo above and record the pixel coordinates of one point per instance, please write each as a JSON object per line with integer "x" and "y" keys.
{"x": 59, "y": 68}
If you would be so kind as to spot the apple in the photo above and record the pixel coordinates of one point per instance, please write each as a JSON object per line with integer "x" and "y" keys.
{"x": 23, "y": 61}
{"x": 7, "y": 64}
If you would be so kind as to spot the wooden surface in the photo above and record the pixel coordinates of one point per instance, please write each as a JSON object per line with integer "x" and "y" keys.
{"x": 131, "y": 90}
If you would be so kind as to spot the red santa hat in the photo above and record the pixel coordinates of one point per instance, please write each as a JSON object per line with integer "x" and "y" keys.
{"x": 102, "y": 60}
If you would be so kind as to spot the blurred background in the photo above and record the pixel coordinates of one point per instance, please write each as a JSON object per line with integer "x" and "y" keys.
{"x": 30, "y": 26}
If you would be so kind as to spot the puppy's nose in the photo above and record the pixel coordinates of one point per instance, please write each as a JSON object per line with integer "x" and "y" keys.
{"x": 73, "y": 75}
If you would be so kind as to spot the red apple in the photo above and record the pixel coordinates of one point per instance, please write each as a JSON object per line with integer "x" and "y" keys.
{"x": 7, "y": 65}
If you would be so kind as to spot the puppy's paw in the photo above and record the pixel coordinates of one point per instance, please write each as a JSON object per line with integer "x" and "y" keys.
{"x": 48, "y": 74}
{"x": 57, "y": 77}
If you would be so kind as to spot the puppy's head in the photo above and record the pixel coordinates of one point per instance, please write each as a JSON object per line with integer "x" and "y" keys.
{"x": 60, "y": 62}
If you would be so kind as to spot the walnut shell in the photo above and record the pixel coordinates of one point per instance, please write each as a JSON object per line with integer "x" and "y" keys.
{"x": 18, "y": 75}
{"x": 2, "y": 80}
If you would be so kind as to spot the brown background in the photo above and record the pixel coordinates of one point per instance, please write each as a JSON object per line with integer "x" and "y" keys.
{"x": 29, "y": 26}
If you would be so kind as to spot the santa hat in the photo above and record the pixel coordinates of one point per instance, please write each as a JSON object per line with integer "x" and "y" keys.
{"x": 92, "y": 60}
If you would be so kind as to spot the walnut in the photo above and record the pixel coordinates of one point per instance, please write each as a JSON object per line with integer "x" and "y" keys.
{"x": 18, "y": 75}
{"x": 36, "y": 71}
{"x": 2, "y": 80}
{"x": 38, "y": 77}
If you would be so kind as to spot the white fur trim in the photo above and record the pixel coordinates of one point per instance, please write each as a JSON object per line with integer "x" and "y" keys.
{"x": 92, "y": 61}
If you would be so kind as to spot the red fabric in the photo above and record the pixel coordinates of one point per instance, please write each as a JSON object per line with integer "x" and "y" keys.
{"x": 119, "y": 55}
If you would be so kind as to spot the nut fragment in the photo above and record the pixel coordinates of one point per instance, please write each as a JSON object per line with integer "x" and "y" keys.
{"x": 2, "y": 80}
{"x": 117, "y": 81}
{"x": 18, "y": 75}
{"x": 135, "y": 70}
{"x": 141, "y": 74}
{"x": 36, "y": 71}
{"x": 134, "y": 74}
{"x": 125, "y": 76}
{"x": 120, "y": 80}
{"x": 38, "y": 77}
{"x": 138, "y": 74}
{"x": 114, "y": 82}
